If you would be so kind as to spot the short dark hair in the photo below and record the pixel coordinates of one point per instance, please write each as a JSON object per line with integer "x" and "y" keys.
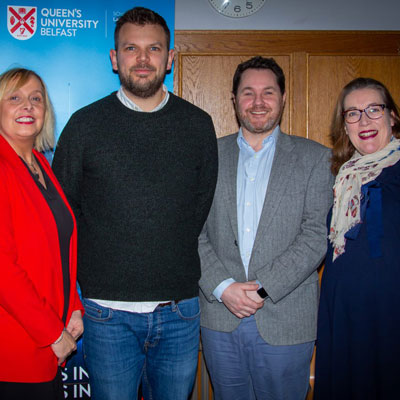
{"x": 141, "y": 16}
{"x": 343, "y": 149}
{"x": 259, "y": 63}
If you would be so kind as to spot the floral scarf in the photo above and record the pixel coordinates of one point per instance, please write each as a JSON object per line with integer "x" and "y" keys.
{"x": 356, "y": 172}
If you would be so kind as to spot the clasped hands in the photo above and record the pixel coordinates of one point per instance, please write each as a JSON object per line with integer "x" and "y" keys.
{"x": 66, "y": 344}
{"x": 242, "y": 299}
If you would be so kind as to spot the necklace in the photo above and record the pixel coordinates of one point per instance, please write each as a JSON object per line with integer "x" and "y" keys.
{"x": 32, "y": 168}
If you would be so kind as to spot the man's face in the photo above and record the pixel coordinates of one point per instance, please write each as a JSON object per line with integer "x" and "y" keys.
{"x": 142, "y": 59}
{"x": 259, "y": 101}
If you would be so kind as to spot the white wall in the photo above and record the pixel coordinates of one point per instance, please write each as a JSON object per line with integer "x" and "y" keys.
{"x": 295, "y": 15}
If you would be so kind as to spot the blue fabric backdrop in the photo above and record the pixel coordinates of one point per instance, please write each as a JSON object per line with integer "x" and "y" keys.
{"x": 67, "y": 43}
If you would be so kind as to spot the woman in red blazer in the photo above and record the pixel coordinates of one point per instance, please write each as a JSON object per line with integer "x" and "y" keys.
{"x": 40, "y": 310}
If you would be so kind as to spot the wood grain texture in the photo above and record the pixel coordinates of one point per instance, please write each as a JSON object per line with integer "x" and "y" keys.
{"x": 317, "y": 64}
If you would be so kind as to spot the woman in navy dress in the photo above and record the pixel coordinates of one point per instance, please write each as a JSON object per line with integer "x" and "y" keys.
{"x": 358, "y": 344}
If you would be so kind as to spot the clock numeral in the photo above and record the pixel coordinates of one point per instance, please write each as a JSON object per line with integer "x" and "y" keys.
{"x": 249, "y": 5}
{"x": 237, "y": 9}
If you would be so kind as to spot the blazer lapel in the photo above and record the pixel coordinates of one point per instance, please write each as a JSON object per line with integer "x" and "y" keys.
{"x": 282, "y": 168}
{"x": 228, "y": 164}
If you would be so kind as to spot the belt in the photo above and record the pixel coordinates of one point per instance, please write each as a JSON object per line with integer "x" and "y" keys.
{"x": 169, "y": 303}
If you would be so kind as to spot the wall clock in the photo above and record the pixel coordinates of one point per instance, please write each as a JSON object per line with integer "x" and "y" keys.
{"x": 237, "y": 8}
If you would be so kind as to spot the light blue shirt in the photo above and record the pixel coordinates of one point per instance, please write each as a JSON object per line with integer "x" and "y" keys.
{"x": 254, "y": 170}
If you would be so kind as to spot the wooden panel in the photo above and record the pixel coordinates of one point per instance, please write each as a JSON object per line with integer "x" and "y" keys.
{"x": 205, "y": 62}
{"x": 328, "y": 74}
{"x": 317, "y": 64}
{"x": 206, "y": 80}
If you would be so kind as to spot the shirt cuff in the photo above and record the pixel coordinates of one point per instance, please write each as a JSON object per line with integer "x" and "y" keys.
{"x": 219, "y": 290}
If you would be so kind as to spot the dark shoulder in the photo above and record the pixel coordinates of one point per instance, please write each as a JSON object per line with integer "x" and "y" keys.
{"x": 98, "y": 106}
{"x": 390, "y": 173}
{"x": 181, "y": 105}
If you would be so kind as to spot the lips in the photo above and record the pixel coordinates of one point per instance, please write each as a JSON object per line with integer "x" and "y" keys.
{"x": 143, "y": 69}
{"x": 365, "y": 135}
{"x": 25, "y": 120}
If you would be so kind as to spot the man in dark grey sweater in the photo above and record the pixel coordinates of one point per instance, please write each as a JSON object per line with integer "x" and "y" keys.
{"x": 139, "y": 168}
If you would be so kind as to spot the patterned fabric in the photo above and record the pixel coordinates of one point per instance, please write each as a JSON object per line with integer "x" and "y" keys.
{"x": 355, "y": 173}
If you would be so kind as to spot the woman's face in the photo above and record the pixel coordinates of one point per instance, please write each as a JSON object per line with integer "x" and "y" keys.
{"x": 368, "y": 135}
{"x": 22, "y": 113}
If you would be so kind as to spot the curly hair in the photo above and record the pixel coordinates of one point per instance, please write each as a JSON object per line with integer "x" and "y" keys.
{"x": 343, "y": 149}
{"x": 15, "y": 78}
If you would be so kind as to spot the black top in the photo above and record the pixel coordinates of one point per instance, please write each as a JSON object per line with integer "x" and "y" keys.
{"x": 141, "y": 185}
{"x": 65, "y": 227}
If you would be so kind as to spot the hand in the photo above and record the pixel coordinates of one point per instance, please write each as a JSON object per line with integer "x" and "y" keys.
{"x": 238, "y": 302}
{"x": 254, "y": 295}
{"x": 75, "y": 324}
{"x": 64, "y": 347}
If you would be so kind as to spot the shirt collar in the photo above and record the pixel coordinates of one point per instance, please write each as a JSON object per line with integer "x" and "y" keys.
{"x": 244, "y": 145}
{"x": 127, "y": 102}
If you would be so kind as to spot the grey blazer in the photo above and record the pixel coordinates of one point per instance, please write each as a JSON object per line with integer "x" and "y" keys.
{"x": 290, "y": 242}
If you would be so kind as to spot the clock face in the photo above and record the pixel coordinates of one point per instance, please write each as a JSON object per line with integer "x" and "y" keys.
{"x": 237, "y": 8}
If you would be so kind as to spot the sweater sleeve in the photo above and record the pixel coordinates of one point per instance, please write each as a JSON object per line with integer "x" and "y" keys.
{"x": 67, "y": 163}
{"x": 207, "y": 174}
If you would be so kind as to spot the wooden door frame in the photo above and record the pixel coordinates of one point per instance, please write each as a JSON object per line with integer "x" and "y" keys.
{"x": 298, "y": 45}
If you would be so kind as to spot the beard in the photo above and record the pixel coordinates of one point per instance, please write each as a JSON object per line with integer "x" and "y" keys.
{"x": 258, "y": 129}
{"x": 145, "y": 89}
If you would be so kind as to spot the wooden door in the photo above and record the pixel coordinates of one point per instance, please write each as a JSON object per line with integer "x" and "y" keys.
{"x": 317, "y": 64}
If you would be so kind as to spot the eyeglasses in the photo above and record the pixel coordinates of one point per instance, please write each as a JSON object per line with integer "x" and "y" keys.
{"x": 372, "y": 112}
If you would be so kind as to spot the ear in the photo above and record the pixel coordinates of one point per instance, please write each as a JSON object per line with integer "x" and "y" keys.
{"x": 392, "y": 118}
{"x": 113, "y": 58}
{"x": 171, "y": 54}
{"x": 233, "y": 98}
{"x": 284, "y": 98}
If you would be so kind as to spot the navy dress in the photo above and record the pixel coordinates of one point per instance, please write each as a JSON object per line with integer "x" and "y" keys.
{"x": 358, "y": 343}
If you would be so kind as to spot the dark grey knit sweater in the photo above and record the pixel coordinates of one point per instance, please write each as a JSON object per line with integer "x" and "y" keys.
{"x": 141, "y": 185}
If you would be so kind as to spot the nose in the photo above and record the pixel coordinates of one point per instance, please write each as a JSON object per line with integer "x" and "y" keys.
{"x": 364, "y": 120}
{"x": 143, "y": 55}
{"x": 258, "y": 99}
{"x": 27, "y": 104}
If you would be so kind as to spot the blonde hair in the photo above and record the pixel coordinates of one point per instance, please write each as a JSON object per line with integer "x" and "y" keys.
{"x": 15, "y": 78}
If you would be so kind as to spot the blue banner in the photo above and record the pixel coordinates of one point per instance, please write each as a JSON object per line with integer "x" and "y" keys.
{"x": 67, "y": 43}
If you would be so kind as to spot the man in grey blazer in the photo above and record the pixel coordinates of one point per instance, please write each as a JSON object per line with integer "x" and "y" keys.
{"x": 261, "y": 246}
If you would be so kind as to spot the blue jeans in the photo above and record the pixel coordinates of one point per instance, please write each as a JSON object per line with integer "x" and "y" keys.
{"x": 243, "y": 366}
{"x": 159, "y": 349}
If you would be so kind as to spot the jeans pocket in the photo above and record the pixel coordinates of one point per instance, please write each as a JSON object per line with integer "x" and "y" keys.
{"x": 96, "y": 312}
{"x": 188, "y": 309}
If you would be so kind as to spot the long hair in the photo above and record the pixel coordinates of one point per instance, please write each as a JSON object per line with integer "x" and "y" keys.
{"x": 14, "y": 79}
{"x": 343, "y": 149}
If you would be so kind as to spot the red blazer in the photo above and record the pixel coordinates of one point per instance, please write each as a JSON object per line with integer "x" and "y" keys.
{"x": 31, "y": 283}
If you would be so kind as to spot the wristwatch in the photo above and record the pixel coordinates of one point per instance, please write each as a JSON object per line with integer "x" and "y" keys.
{"x": 262, "y": 293}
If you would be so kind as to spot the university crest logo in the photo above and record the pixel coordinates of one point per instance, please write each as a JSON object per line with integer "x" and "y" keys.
{"x": 21, "y": 21}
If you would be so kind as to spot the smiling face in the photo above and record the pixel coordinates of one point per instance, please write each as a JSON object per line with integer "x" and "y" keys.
{"x": 368, "y": 135}
{"x": 22, "y": 113}
{"x": 259, "y": 102}
{"x": 142, "y": 59}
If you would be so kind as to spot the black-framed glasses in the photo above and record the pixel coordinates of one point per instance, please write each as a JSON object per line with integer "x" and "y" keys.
{"x": 372, "y": 112}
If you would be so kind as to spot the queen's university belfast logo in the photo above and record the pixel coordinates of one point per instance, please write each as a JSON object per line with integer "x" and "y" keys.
{"x": 21, "y": 21}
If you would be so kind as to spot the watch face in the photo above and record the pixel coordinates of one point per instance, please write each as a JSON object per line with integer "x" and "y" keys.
{"x": 237, "y": 8}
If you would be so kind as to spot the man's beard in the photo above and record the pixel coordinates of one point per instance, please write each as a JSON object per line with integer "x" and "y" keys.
{"x": 268, "y": 126}
{"x": 143, "y": 90}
